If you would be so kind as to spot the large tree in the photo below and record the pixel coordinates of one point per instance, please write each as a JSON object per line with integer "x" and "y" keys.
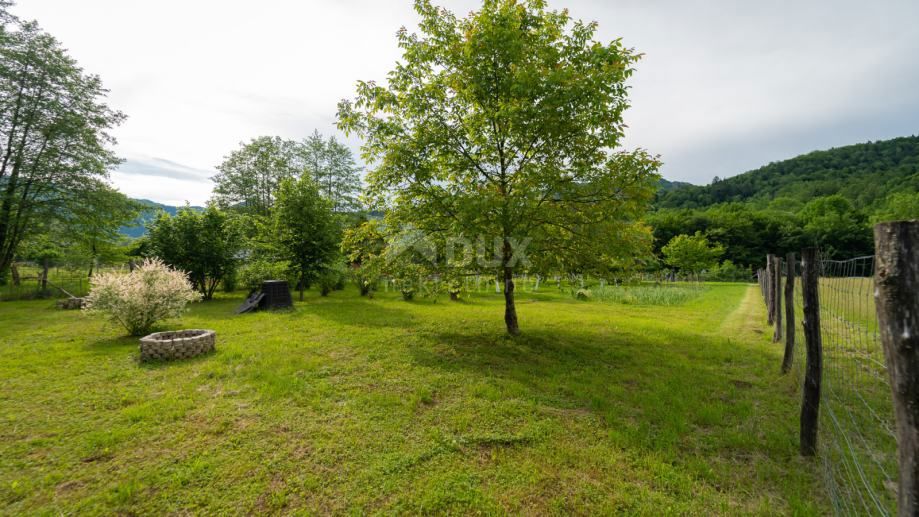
{"x": 249, "y": 177}
{"x": 505, "y": 127}
{"x": 205, "y": 244}
{"x": 54, "y": 132}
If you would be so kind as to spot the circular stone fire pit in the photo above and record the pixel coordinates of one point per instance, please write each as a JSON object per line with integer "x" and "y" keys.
{"x": 180, "y": 344}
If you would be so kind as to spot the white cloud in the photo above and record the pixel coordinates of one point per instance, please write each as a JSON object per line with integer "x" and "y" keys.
{"x": 725, "y": 86}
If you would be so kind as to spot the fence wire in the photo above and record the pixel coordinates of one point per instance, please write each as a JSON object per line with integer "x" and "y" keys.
{"x": 857, "y": 446}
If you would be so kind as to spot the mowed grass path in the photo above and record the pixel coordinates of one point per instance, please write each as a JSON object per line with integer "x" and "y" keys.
{"x": 353, "y": 405}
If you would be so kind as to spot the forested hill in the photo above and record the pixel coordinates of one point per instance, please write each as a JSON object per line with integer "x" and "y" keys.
{"x": 147, "y": 214}
{"x": 866, "y": 174}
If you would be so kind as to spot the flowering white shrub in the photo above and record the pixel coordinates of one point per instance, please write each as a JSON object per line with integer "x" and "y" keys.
{"x": 137, "y": 300}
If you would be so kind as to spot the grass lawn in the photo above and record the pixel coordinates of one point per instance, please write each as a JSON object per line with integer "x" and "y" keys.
{"x": 354, "y": 405}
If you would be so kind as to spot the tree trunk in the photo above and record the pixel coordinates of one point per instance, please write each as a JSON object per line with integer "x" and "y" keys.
{"x": 301, "y": 283}
{"x": 45, "y": 265}
{"x": 510, "y": 310}
{"x": 14, "y": 271}
{"x": 92, "y": 260}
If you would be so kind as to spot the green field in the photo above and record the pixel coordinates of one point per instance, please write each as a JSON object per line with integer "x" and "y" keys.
{"x": 350, "y": 405}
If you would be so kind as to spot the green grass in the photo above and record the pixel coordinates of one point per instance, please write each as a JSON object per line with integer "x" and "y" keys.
{"x": 349, "y": 405}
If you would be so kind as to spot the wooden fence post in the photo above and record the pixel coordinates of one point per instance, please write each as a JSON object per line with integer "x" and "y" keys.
{"x": 770, "y": 294}
{"x": 896, "y": 281}
{"x": 789, "y": 358}
{"x": 777, "y": 298}
{"x": 810, "y": 406}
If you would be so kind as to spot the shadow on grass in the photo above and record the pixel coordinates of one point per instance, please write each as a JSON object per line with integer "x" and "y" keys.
{"x": 646, "y": 388}
{"x": 110, "y": 344}
{"x": 358, "y": 312}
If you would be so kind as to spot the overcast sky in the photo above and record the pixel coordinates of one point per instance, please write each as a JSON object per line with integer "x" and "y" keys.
{"x": 724, "y": 87}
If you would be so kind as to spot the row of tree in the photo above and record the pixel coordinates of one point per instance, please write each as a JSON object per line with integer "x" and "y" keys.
{"x": 499, "y": 132}
{"x": 299, "y": 236}
{"x": 748, "y": 231}
{"x": 55, "y": 155}
{"x": 250, "y": 177}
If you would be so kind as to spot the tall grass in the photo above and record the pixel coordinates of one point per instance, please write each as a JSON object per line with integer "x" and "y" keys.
{"x": 663, "y": 295}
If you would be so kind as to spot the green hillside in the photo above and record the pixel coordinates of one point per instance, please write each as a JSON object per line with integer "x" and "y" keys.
{"x": 147, "y": 214}
{"x": 865, "y": 174}
{"x": 828, "y": 199}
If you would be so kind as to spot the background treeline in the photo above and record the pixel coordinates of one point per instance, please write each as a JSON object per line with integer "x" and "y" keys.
{"x": 824, "y": 198}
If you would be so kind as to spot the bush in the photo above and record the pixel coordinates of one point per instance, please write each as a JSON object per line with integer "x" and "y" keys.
{"x": 455, "y": 288}
{"x": 665, "y": 295}
{"x": 204, "y": 244}
{"x": 138, "y": 300}
{"x": 229, "y": 282}
{"x": 727, "y": 271}
{"x": 253, "y": 273}
{"x": 328, "y": 280}
{"x": 365, "y": 278}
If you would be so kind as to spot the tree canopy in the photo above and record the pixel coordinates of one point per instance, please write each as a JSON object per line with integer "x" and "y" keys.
{"x": 691, "y": 253}
{"x": 504, "y": 127}
{"x": 249, "y": 177}
{"x": 205, "y": 244}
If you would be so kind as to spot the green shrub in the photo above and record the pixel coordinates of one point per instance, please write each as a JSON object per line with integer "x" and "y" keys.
{"x": 230, "y": 281}
{"x": 365, "y": 278}
{"x": 253, "y": 273}
{"x": 455, "y": 288}
{"x": 727, "y": 271}
{"x": 328, "y": 279}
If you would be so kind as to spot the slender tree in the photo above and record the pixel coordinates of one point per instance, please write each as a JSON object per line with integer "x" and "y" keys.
{"x": 306, "y": 230}
{"x": 94, "y": 225}
{"x": 505, "y": 127}
{"x": 334, "y": 170}
{"x": 54, "y": 132}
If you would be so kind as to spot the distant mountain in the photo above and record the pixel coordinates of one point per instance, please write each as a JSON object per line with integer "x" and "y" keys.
{"x": 666, "y": 185}
{"x": 147, "y": 214}
{"x": 864, "y": 173}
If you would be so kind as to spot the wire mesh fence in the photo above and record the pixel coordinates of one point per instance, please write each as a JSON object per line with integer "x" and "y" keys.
{"x": 857, "y": 446}
{"x": 31, "y": 282}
